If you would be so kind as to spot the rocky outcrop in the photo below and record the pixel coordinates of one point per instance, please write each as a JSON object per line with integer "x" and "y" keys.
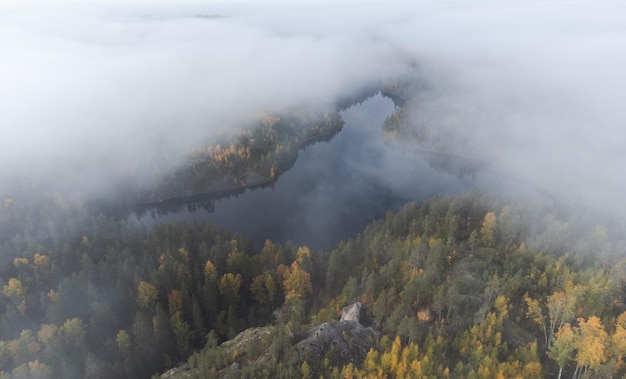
{"x": 351, "y": 312}
{"x": 341, "y": 342}
{"x": 346, "y": 340}
{"x": 356, "y": 312}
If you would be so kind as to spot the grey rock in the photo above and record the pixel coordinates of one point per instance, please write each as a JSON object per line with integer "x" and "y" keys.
{"x": 347, "y": 341}
{"x": 351, "y": 312}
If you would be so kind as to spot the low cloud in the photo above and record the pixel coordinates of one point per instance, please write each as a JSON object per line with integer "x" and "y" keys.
{"x": 536, "y": 88}
{"x": 89, "y": 89}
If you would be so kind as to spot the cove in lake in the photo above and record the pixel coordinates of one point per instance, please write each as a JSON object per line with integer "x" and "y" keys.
{"x": 334, "y": 189}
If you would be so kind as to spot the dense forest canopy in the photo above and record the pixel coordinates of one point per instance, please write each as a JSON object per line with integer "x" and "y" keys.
{"x": 465, "y": 286}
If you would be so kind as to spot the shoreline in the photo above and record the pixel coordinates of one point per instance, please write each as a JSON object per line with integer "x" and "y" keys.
{"x": 211, "y": 194}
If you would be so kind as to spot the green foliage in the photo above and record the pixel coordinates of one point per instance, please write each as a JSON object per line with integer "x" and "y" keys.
{"x": 147, "y": 295}
{"x": 464, "y": 286}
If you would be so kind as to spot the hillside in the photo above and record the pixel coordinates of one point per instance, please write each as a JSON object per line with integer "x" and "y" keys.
{"x": 466, "y": 286}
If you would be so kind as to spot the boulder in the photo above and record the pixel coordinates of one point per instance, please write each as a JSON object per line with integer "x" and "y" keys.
{"x": 351, "y": 312}
{"x": 356, "y": 312}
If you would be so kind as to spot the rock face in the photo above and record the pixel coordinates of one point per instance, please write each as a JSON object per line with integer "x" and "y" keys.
{"x": 351, "y": 312}
{"x": 356, "y": 312}
{"x": 347, "y": 340}
{"x": 341, "y": 342}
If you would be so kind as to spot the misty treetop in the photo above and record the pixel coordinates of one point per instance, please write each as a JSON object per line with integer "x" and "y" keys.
{"x": 103, "y": 297}
{"x": 468, "y": 285}
{"x": 465, "y": 286}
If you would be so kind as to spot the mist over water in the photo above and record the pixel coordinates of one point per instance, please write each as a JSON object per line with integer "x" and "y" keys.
{"x": 96, "y": 94}
{"x": 335, "y": 188}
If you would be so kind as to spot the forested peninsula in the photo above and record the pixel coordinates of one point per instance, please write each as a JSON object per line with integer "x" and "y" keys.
{"x": 253, "y": 156}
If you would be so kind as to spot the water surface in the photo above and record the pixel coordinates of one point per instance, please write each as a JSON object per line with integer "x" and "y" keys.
{"x": 333, "y": 190}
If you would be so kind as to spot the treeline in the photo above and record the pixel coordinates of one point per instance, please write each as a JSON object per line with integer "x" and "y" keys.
{"x": 465, "y": 287}
{"x": 255, "y": 155}
{"x": 469, "y": 288}
{"x": 91, "y": 296}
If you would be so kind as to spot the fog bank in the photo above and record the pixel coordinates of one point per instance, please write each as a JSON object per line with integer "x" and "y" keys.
{"x": 94, "y": 93}
{"x": 92, "y": 89}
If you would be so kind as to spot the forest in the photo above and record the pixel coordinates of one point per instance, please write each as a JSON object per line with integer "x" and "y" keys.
{"x": 467, "y": 286}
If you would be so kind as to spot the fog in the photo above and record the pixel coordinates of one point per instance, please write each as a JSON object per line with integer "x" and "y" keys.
{"x": 90, "y": 89}
{"x": 95, "y": 93}
{"x": 333, "y": 191}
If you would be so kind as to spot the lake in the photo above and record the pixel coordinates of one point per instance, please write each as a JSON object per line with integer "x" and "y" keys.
{"x": 334, "y": 188}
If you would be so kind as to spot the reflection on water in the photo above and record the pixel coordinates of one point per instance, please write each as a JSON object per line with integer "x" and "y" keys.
{"x": 333, "y": 190}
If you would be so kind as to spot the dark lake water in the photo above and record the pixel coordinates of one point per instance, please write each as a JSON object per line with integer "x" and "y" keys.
{"x": 333, "y": 190}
